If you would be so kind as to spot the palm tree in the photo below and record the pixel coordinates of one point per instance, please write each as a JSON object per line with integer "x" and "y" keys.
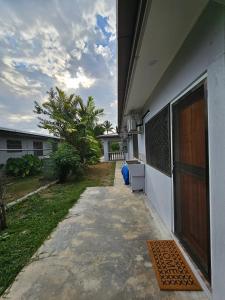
{"x": 89, "y": 114}
{"x": 108, "y": 126}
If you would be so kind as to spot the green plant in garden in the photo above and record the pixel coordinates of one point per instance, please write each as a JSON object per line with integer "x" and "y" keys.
{"x": 30, "y": 222}
{"x": 67, "y": 160}
{"x": 115, "y": 146}
{"x": 99, "y": 129}
{"x": 26, "y": 165}
{"x": 68, "y": 117}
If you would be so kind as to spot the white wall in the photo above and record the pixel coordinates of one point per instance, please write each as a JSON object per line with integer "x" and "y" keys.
{"x": 202, "y": 52}
{"x": 130, "y": 147}
{"x": 27, "y": 143}
{"x": 141, "y": 147}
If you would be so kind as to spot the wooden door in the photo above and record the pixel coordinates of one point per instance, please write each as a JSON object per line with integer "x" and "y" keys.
{"x": 190, "y": 171}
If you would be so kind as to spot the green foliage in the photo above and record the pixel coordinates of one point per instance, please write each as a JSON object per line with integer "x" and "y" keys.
{"x": 30, "y": 222}
{"x": 71, "y": 119}
{"x": 115, "y": 146}
{"x": 89, "y": 113}
{"x": 49, "y": 169}
{"x": 99, "y": 129}
{"x": 26, "y": 165}
{"x": 67, "y": 160}
{"x": 93, "y": 150}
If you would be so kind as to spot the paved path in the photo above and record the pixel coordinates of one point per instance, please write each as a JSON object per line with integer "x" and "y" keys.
{"x": 98, "y": 252}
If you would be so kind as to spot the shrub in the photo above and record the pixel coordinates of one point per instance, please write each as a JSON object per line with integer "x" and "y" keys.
{"x": 94, "y": 151}
{"x": 67, "y": 160}
{"x": 49, "y": 169}
{"x": 115, "y": 147}
{"x": 26, "y": 165}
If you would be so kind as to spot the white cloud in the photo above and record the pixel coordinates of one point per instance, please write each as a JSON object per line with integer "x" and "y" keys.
{"x": 104, "y": 51}
{"x": 114, "y": 103}
{"x": 55, "y": 45}
{"x": 19, "y": 82}
{"x": 17, "y": 118}
{"x": 80, "y": 48}
{"x": 80, "y": 80}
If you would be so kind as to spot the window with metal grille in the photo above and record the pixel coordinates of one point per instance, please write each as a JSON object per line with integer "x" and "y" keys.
{"x": 38, "y": 148}
{"x": 14, "y": 146}
{"x": 157, "y": 141}
{"x": 135, "y": 145}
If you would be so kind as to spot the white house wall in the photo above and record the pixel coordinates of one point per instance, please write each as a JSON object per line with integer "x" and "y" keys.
{"x": 141, "y": 146}
{"x": 27, "y": 143}
{"x": 202, "y": 52}
{"x": 130, "y": 147}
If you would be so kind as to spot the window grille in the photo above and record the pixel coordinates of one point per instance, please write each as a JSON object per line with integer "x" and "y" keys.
{"x": 14, "y": 146}
{"x": 158, "y": 141}
{"x": 38, "y": 148}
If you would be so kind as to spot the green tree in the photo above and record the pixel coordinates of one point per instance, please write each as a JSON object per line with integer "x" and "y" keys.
{"x": 66, "y": 160}
{"x": 89, "y": 113}
{"x": 99, "y": 129}
{"x": 68, "y": 117}
{"x": 108, "y": 126}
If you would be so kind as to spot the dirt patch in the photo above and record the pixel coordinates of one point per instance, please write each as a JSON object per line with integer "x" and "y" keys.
{"x": 102, "y": 172}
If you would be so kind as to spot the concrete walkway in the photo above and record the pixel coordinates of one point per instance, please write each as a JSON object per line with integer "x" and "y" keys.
{"x": 98, "y": 252}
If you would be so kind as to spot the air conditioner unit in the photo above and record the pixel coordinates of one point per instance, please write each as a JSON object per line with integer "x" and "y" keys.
{"x": 140, "y": 129}
{"x": 131, "y": 125}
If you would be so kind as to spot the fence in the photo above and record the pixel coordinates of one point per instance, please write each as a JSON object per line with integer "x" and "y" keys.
{"x": 116, "y": 156}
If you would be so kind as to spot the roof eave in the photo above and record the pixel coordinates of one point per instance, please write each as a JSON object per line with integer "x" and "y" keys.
{"x": 130, "y": 18}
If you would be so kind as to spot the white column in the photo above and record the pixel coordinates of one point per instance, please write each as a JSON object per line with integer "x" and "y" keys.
{"x": 106, "y": 150}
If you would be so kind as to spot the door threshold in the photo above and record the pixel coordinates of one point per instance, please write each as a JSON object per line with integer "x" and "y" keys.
{"x": 197, "y": 272}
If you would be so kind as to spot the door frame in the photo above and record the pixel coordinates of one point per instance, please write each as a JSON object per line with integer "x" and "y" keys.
{"x": 201, "y": 81}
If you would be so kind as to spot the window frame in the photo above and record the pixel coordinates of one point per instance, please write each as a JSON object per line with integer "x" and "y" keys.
{"x": 168, "y": 169}
{"x": 13, "y": 149}
{"x": 38, "y": 151}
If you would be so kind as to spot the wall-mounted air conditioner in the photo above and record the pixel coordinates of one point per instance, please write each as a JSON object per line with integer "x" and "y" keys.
{"x": 131, "y": 125}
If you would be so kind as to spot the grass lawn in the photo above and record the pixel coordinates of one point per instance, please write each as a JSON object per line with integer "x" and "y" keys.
{"x": 19, "y": 187}
{"x": 30, "y": 222}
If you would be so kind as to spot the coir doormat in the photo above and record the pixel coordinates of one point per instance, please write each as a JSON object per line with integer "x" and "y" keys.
{"x": 172, "y": 270}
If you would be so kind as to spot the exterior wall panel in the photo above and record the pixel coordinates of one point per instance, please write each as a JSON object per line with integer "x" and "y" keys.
{"x": 27, "y": 143}
{"x": 202, "y": 52}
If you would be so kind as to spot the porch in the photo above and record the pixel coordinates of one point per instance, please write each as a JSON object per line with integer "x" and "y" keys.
{"x": 112, "y": 153}
{"x": 99, "y": 252}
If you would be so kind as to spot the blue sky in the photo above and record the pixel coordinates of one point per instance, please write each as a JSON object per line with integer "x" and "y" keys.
{"x": 70, "y": 44}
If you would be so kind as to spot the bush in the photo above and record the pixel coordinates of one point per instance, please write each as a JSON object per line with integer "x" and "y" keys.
{"x": 26, "y": 165}
{"x": 94, "y": 151}
{"x": 115, "y": 147}
{"x": 67, "y": 160}
{"x": 49, "y": 169}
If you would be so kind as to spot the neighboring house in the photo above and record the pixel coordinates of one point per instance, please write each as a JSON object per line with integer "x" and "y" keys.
{"x": 107, "y": 140}
{"x": 171, "y": 108}
{"x": 16, "y": 143}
